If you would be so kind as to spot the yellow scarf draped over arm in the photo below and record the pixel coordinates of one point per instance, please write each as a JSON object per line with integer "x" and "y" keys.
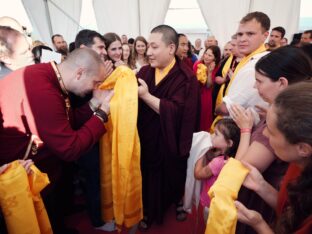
{"x": 121, "y": 182}
{"x": 20, "y": 200}
{"x": 222, "y": 212}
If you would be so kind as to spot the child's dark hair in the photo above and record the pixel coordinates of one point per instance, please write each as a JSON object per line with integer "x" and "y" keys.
{"x": 230, "y": 131}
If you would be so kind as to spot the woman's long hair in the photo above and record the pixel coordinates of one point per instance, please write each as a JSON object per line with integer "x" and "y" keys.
{"x": 294, "y": 120}
{"x": 135, "y": 53}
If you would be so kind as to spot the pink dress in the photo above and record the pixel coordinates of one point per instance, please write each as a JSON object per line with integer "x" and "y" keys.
{"x": 216, "y": 166}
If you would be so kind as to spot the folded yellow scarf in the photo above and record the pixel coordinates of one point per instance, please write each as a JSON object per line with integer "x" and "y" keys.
{"x": 20, "y": 200}
{"x": 121, "y": 182}
{"x": 222, "y": 212}
{"x": 201, "y": 73}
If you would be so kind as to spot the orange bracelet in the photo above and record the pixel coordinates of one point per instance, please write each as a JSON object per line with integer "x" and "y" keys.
{"x": 245, "y": 130}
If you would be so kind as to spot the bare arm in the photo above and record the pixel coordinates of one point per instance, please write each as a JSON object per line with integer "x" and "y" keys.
{"x": 255, "y": 181}
{"x": 244, "y": 120}
{"x": 201, "y": 170}
{"x": 258, "y": 156}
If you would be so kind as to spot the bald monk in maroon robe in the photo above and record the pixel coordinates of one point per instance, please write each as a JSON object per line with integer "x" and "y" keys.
{"x": 168, "y": 110}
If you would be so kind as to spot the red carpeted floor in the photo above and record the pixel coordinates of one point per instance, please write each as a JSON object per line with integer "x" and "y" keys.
{"x": 193, "y": 225}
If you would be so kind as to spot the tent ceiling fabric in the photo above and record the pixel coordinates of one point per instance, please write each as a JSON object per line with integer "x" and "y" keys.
{"x": 130, "y": 17}
{"x": 36, "y": 11}
{"x": 65, "y": 17}
{"x": 152, "y": 14}
{"x": 223, "y": 21}
{"x": 285, "y": 13}
{"x": 138, "y": 17}
{"x": 50, "y": 17}
{"x": 119, "y": 16}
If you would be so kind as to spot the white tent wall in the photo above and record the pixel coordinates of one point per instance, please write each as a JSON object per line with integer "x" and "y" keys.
{"x": 152, "y": 13}
{"x": 36, "y": 11}
{"x": 50, "y": 17}
{"x": 138, "y": 17}
{"x": 119, "y": 16}
{"x": 65, "y": 17}
{"x": 283, "y": 13}
{"x": 223, "y": 18}
{"x": 115, "y": 16}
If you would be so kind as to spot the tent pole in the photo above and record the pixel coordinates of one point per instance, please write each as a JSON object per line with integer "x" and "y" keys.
{"x": 48, "y": 17}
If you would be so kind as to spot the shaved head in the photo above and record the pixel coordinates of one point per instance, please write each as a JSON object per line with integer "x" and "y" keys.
{"x": 86, "y": 58}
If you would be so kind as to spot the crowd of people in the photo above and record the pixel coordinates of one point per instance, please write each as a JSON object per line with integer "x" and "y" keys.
{"x": 252, "y": 102}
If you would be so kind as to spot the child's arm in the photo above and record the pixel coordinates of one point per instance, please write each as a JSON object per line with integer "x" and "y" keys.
{"x": 244, "y": 120}
{"x": 201, "y": 170}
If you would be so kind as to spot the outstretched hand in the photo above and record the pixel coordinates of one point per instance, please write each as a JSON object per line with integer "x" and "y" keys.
{"x": 254, "y": 180}
{"x": 243, "y": 118}
{"x": 246, "y": 216}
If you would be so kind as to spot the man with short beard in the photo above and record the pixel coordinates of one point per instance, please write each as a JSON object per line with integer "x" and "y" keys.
{"x": 276, "y": 36}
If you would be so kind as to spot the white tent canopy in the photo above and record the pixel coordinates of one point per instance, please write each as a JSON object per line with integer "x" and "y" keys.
{"x": 138, "y": 17}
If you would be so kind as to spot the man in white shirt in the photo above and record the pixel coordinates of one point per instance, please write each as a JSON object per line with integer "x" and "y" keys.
{"x": 251, "y": 35}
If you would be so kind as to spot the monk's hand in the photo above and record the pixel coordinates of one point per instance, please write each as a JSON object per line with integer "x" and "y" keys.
{"x": 108, "y": 68}
{"x": 26, "y": 164}
{"x": 3, "y": 168}
{"x": 143, "y": 89}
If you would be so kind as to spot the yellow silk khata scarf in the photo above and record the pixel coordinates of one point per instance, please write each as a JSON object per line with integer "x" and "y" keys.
{"x": 201, "y": 73}
{"x": 225, "y": 70}
{"x": 20, "y": 200}
{"x": 222, "y": 212}
{"x": 121, "y": 182}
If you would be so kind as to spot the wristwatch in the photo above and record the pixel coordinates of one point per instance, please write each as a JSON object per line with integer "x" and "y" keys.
{"x": 101, "y": 115}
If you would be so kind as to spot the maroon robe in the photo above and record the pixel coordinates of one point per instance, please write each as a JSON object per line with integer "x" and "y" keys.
{"x": 31, "y": 102}
{"x": 206, "y": 113}
{"x": 166, "y": 137}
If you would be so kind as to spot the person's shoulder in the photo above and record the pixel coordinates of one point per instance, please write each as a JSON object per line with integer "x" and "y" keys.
{"x": 143, "y": 71}
{"x": 259, "y": 55}
{"x": 186, "y": 71}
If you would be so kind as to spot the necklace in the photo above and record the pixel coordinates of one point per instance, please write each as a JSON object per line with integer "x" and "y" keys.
{"x": 64, "y": 90}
